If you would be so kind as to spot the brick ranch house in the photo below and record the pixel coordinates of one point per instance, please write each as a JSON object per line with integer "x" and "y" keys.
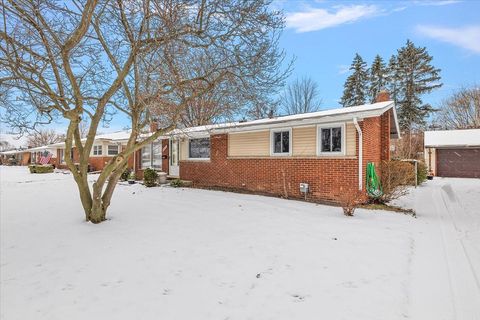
{"x": 328, "y": 150}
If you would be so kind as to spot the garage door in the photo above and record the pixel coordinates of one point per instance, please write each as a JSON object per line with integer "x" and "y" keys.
{"x": 463, "y": 163}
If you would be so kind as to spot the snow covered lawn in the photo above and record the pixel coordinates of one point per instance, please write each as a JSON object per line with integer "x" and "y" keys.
{"x": 194, "y": 254}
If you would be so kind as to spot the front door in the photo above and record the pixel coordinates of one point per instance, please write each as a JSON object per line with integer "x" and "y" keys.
{"x": 174, "y": 169}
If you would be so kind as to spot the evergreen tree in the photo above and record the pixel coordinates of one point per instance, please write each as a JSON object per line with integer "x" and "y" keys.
{"x": 392, "y": 80}
{"x": 378, "y": 78}
{"x": 415, "y": 76}
{"x": 356, "y": 86}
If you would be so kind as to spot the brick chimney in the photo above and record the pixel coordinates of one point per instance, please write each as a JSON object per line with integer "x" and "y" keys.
{"x": 382, "y": 96}
{"x": 153, "y": 126}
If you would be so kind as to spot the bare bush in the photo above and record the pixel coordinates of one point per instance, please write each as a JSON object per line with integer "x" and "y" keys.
{"x": 396, "y": 177}
{"x": 350, "y": 199}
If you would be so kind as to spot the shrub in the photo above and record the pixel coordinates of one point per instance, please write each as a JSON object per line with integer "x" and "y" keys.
{"x": 150, "y": 177}
{"x": 125, "y": 175}
{"x": 35, "y": 168}
{"x": 422, "y": 172}
{"x": 350, "y": 199}
{"x": 176, "y": 183}
{"x": 395, "y": 178}
{"x": 132, "y": 176}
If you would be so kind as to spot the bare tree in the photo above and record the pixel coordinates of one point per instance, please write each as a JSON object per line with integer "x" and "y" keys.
{"x": 461, "y": 110}
{"x": 5, "y": 146}
{"x": 42, "y": 137}
{"x": 301, "y": 96}
{"x": 87, "y": 60}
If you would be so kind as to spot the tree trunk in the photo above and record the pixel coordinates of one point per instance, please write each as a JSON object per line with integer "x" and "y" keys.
{"x": 98, "y": 211}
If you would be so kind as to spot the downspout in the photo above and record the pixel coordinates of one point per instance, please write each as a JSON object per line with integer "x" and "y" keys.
{"x": 360, "y": 154}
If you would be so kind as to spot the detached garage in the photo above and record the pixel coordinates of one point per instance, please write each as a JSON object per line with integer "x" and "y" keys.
{"x": 453, "y": 153}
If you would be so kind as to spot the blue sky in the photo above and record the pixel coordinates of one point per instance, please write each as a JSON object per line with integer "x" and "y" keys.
{"x": 325, "y": 35}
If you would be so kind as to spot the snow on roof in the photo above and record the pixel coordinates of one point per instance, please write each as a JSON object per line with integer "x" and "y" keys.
{"x": 119, "y": 135}
{"x": 13, "y": 140}
{"x": 362, "y": 111}
{"x": 451, "y": 138}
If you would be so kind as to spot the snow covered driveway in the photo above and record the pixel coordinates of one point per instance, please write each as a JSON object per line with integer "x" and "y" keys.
{"x": 446, "y": 262}
{"x": 194, "y": 254}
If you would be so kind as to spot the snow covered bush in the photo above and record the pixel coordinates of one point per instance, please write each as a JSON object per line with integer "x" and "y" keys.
{"x": 150, "y": 177}
{"x": 35, "y": 168}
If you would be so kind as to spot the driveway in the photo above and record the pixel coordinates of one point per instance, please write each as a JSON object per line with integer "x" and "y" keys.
{"x": 446, "y": 245}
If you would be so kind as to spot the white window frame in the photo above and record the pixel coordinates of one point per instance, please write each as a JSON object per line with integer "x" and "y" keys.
{"x": 113, "y": 145}
{"x": 95, "y": 150}
{"x": 290, "y": 142}
{"x": 151, "y": 156}
{"x": 198, "y": 159}
{"x": 319, "y": 139}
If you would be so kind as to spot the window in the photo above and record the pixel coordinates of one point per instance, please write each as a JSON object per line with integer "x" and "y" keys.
{"x": 199, "y": 148}
{"x": 112, "y": 150}
{"x": 157, "y": 155}
{"x": 97, "y": 150}
{"x": 152, "y": 156}
{"x": 331, "y": 139}
{"x": 146, "y": 159}
{"x": 281, "y": 141}
{"x": 62, "y": 155}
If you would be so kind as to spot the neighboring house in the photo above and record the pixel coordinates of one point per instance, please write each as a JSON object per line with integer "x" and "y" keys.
{"x": 453, "y": 153}
{"x": 37, "y": 152}
{"x": 274, "y": 156}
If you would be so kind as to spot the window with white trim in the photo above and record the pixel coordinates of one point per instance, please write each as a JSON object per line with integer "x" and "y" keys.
{"x": 199, "y": 148}
{"x": 112, "y": 149}
{"x": 97, "y": 150}
{"x": 281, "y": 142}
{"x": 331, "y": 139}
{"x": 152, "y": 156}
{"x": 62, "y": 155}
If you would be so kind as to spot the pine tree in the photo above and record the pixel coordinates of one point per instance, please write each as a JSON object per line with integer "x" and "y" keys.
{"x": 356, "y": 86}
{"x": 378, "y": 78}
{"x": 415, "y": 76}
{"x": 392, "y": 80}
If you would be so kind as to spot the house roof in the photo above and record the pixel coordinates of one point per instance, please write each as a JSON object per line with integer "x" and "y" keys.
{"x": 14, "y": 141}
{"x": 331, "y": 115}
{"x": 452, "y": 138}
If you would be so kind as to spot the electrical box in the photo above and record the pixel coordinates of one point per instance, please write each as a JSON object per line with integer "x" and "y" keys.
{"x": 304, "y": 187}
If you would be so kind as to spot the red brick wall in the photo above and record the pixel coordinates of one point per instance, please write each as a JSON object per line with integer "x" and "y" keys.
{"x": 385, "y": 135}
{"x": 372, "y": 129}
{"x": 98, "y": 163}
{"x": 277, "y": 176}
{"x": 25, "y": 158}
{"x": 282, "y": 176}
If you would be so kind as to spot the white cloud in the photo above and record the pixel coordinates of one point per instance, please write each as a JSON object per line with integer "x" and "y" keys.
{"x": 342, "y": 69}
{"x": 436, "y": 2}
{"x": 313, "y": 19}
{"x": 465, "y": 37}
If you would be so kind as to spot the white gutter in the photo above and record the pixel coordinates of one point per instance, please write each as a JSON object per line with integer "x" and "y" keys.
{"x": 360, "y": 154}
